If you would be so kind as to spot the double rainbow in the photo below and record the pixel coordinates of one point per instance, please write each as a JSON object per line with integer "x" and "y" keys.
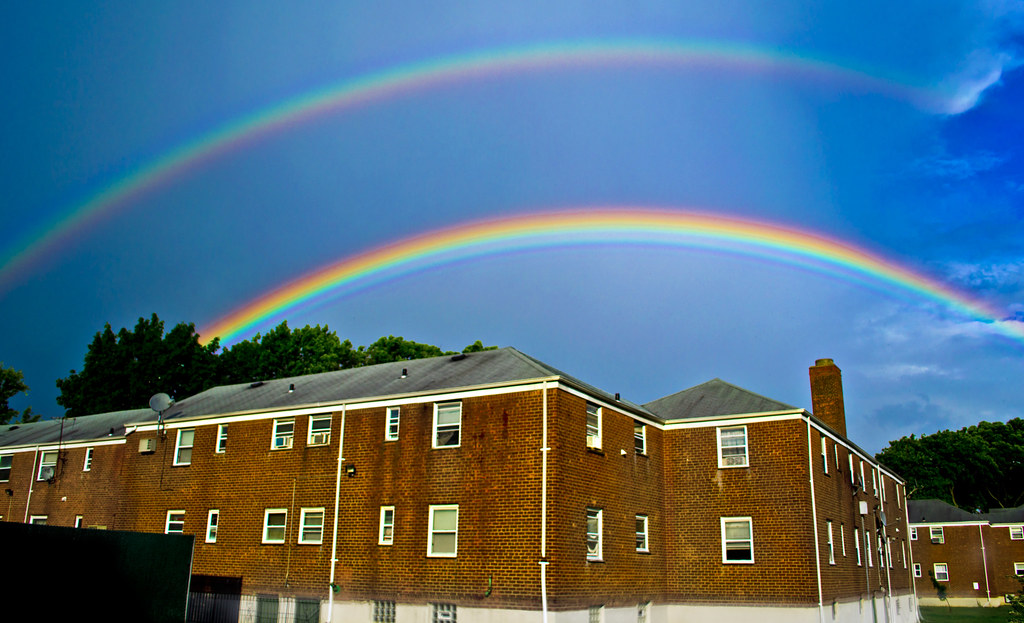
{"x": 394, "y": 82}
{"x": 614, "y": 225}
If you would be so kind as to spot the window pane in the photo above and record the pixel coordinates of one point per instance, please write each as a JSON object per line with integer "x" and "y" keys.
{"x": 737, "y": 530}
{"x": 446, "y": 519}
{"x": 449, "y": 413}
{"x": 447, "y": 436}
{"x": 442, "y": 543}
{"x": 187, "y": 437}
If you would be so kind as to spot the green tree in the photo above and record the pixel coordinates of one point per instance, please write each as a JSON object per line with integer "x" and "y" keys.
{"x": 1017, "y": 603}
{"x": 283, "y": 352}
{"x": 123, "y": 370}
{"x": 975, "y": 468}
{"x": 12, "y": 383}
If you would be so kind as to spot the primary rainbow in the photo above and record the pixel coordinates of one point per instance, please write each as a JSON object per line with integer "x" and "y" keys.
{"x": 401, "y": 79}
{"x": 614, "y": 225}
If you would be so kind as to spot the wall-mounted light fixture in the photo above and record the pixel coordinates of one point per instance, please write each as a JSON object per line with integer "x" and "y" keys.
{"x": 350, "y": 470}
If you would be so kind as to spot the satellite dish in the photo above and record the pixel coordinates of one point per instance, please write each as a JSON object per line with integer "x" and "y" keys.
{"x": 881, "y": 517}
{"x": 160, "y": 402}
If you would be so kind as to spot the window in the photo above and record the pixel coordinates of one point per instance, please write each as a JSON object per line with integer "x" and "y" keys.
{"x": 903, "y": 553}
{"x": 274, "y": 522}
{"x": 284, "y": 431}
{"x": 853, "y": 479}
{"x": 78, "y": 521}
{"x": 862, "y": 481}
{"x": 732, "y": 447}
{"x": 593, "y": 426}
{"x": 1016, "y": 532}
{"x": 641, "y": 533}
{"x": 913, "y": 534}
{"x": 835, "y": 451}
{"x": 941, "y": 572}
{"x": 319, "y": 430}
{"x": 383, "y": 611}
{"x": 443, "y": 613}
{"x": 594, "y": 521}
{"x": 867, "y": 547}
{"x": 595, "y": 614}
{"x": 391, "y": 427}
{"x": 222, "y": 438}
{"x": 888, "y": 552}
{"x": 311, "y": 526}
{"x": 39, "y": 520}
{"x": 447, "y": 422}
{"x": 856, "y": 543}
{"x": 917, "y": 569}
{"x": 938, "y": 536}
{"x": 5, "y": 467}
{"x": 183, "y": 446}
{"x": 175, "y": 522}
{"x": 642, "y": 612}
{"x": 874, "y": 482}
{"x": 639, "y": 438}
{"x": 824, "y": 453}
{"x": 881, "y": 477}
{"x": 212, "y": 520}
{"x": 47, "y": 466}
{"x": 737, "y": 540}
{"x": 831, "y": 544}
{"x": 387, "y": 525}
{"x": 443, "y": 530}
{"x": 1018, "y": 568}
{"x": 842, "y": 537}
{"x": 88, "y": 460}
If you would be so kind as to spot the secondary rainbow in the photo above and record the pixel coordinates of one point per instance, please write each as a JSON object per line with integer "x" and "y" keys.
{"x": 402, "y": 79}
{"x": 609, "y": 225}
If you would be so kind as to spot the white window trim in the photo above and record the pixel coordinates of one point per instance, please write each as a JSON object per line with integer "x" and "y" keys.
{"x": 79, "y": 519}
{"x": 824, "y": 453}
{"x": 437, "y": 409}
{"x": 287, "y": 439}
{"x": 746, "y": 446}
{"x": 945, "y": 571}
{"x": 212, "y": 521}
{"x": 856, "y": 544}
{"x": 917, "y": 569}
{"x": 642, "y": 438}
{"x": 842, "y": 537}
{"x": 598, "y": 553}
{"x": 34, "y": 519}
{"x": 913, "y": 533}
{"x": 646, "y": 532}
{"x": 831, "y": 544}
{"x": 1018, "y": 568}
{"x": 303, "y": 514}
{"x": 725, "y": 542}
{"x": 178, "y": 447}
{"x": 167, "y": 521}
{"x": 392, "y": 413}
{"x": 867, "y": 548}
{"x": 933, "y": 530}
{"x": 222, "y": 439}
{"x": 320, "y": 438}
{"x": 853, "y": 477}
{"x": 594, "y": 441}
{"x": 381, "y": 539}
{"x": 874, "y": 482}
{"x": 863, "y": 483}
{"x": 266, "y": 516}
{"x": 87, "y": 466}
{"x": 430, "y": 531}
{"x": 9, "y": 468}
{"x": 1019, "y": 535}
{"x": 44, "y": 464}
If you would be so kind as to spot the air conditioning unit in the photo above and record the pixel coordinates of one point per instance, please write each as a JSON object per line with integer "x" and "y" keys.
{"x": 147, "y": 445}
{"x": 281, "y": 443}
{"x": 319, "y": 439}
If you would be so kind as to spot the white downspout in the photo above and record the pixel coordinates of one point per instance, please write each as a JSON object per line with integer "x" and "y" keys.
{"x": 814, "y": 517}
{"x": 984, "y": 562}
{"x": 31, "y": 483}
{"x": 544, "y": 506}
{"x": 910, "y": 570}
{"x": 334, "y": 537}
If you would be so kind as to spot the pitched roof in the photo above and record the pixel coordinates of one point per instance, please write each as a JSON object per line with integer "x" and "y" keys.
{"x": 71, "y": 429}
{"x": 418, "y": 376}
{"x": 1006, "y": 515}
{"x": 937, "y": 511}
{"x": 713, "y": 398}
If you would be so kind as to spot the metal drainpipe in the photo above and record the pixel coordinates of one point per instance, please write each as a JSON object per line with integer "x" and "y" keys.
{"x": 984, "y": 562}
{"x": 814, "y": 516}
{"x": 31, "y": 484}
{"x": 910, "y": 570}
{"x": 334, "y": 537}
{"x": 867, "y": 574}
{"x": 888, "y": 574}
{"x": 544, "y": 506}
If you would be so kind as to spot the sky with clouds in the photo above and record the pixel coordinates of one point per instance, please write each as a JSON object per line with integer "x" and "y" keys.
{"x": 895, "y": 128}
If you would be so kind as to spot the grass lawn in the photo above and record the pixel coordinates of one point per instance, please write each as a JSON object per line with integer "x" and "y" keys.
{"x": 941, "y": 614}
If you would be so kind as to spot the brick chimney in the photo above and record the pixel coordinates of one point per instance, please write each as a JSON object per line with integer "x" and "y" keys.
{"x": 827, "y": 395}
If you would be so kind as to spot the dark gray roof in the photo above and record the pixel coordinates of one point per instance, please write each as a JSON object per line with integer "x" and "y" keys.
{"x": 713, "y": 398}
{"x": 1006, "y": 515}
{"x": 937, "y": 511}
{"x": 71, "y": 429}
{"x": 504, "y": 365}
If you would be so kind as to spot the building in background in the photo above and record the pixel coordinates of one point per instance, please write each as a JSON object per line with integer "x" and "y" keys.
{"x": 969, "y": 558}
{"x": 490, "y": 486}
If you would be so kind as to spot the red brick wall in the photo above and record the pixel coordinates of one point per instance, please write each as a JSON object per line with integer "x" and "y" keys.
{"x": 962, "y": 554}
{"x": 94, "y": 494}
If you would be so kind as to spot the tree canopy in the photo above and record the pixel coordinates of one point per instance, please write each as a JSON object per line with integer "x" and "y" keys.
{"x": 123, "y": 370}
{"x": 12, "y": 383}
{"x": 975, "y": 468}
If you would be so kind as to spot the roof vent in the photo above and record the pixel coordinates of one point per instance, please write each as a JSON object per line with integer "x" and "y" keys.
{"x": 405, "y": 372}
{"x": 255, "y": 385}
{"x": 291, "y": 388}
{"x": 616, "y": 395}
{"x": 459, "y": 357}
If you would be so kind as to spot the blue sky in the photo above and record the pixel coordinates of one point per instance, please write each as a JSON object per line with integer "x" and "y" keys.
{"x": 96, "y": 91}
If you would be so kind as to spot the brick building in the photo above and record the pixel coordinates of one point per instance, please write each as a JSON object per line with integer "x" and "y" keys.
{"x": 492, "y": 487}
{"x": 971, "y": 556}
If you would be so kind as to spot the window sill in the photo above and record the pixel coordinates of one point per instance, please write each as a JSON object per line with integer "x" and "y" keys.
{"x": 644, "y": 551}
{"x": 600, "y": 560}
{"x": 594, "y": 450}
